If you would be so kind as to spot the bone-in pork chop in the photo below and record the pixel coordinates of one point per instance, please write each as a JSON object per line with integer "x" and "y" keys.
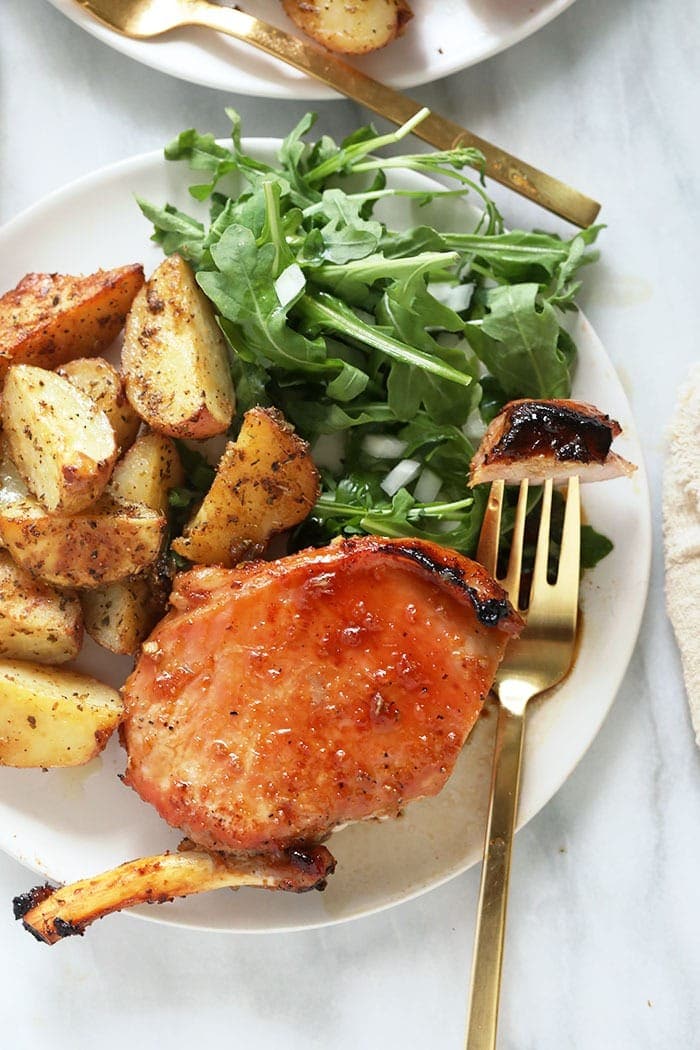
{"x": 281, "y": 699}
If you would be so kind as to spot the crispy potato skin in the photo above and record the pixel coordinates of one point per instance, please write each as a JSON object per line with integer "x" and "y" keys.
{"x": 352, "y": 27}
{"x": 37, "y": 622}
{"x": 53, "y": 717}
{"x": 266, "y": 482}
{"x": 103, "y": 384}
{"x": 49, "y": 319}
{"x": 147, "y": 472}
{"x": 105, "y": 543}
{"x": 175, "y": 358}
{"x": 61, "y": 442}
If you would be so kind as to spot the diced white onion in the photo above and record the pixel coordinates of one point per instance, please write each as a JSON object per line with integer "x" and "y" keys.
{"x": 383, "y": 446}
{"x": 446, "y": 526}
{"x": 427, "y": 486}
{"x": 474, "y": 428}
{"x": 449, "y": 339}
{"x": 289, "y": 283}
{"x": 327, "y": 451}
{"x": 456, "y": 296}
{"x": 402, "y": 474}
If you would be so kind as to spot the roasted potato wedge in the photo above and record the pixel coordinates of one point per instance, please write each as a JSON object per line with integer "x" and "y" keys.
{"x": 105, "y": 543}
{"x": 53, "y": 717}
{"x": 147, "y": 472}
{"x": 37, "y": 622}
{"x": 119, "y": 616}
{"x": 62, "y": 444}
{"x": 103, "y": 384}
{"x": 350, "y": 28}
{"x": 266, "y": 482}
{"x": 50, "y": 318}
{"x": 175, "y": 359}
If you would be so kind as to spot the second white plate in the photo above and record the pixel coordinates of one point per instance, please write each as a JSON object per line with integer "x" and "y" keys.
{"x": 442, "y": 38}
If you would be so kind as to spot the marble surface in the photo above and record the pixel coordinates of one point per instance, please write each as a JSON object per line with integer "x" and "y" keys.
{"x": 603, "y": 948}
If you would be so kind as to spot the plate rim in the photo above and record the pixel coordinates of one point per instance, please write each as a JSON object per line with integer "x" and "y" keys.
{"x": 644, "y": 556}
{"x": 311, "y": 90}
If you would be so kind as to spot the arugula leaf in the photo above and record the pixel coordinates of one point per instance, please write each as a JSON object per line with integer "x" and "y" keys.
{"x": 409, "y": 309}
{"x": 493, "y": 398}
{"x": 353, "y": 281}
{"x": 346, "y": 235}
{"x": 326, "y": 313}
{"x": 203, "y": 153}
{"x": 444, "y": 448}
{"x": 594, "y": 547}
{"x": 175, "y": 231}
{"x": 313, "y": 418}
{"x": 518, "y": 341}
{"x": 294, "y": 150}
{"x": 520, "y": 256}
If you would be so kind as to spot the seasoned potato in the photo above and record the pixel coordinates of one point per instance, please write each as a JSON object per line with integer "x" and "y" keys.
{"x": 103, "y": 384}
{"x": 37, "y": 622}
{"x": 119, "y": 616}
{"x": 175, "y": 358}
{"x": 266, "y": 482}
{"x": 60, "y": 441}
{"x": 147, "y": 472}
{"x": 351, "y": 28}
{"x": 107, "y": 542}
{"x": 50, "y": 318}
{"x": 53, "y": 717}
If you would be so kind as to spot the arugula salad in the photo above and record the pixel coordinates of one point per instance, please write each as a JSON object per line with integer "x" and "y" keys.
{"x": 389, "y": 350}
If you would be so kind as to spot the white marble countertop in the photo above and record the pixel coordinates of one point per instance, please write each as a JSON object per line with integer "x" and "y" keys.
{"x": 604, "y": 930}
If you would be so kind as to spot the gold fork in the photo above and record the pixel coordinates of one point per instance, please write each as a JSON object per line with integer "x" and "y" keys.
{"x": 538, "y": 660}
{"x": 143, "y": 19}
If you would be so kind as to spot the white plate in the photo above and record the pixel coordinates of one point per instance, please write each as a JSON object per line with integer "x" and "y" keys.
{"x": 69, "y": 824}
{"x": 443, "y": 37}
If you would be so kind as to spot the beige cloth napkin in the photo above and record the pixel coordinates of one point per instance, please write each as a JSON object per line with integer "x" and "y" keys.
{"x": 681, "y": 512}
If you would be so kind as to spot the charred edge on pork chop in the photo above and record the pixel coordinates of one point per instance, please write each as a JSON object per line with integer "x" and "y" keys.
{"x": 489, "y": 611}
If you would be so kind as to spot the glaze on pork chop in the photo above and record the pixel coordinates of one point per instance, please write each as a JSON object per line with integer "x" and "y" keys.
{"x": 280, "y": 699}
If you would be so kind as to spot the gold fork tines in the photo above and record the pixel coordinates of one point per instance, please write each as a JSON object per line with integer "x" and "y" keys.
{"x": 535, "y": 662}
{"x": 143, "y": 19}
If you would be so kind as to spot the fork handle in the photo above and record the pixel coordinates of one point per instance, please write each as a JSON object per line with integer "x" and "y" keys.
{"x": 438, "y": 131}
{"x": 495, "y": 873}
